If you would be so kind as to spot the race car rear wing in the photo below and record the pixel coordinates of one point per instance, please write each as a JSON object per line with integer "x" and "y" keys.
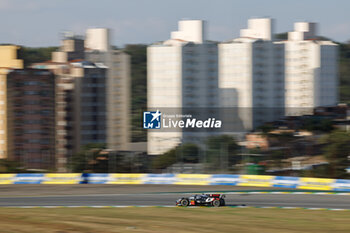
{"x": 216, "y": 195}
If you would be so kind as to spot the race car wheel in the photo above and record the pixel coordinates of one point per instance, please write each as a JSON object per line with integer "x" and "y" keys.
{"x": 222, "y": 202}
{"x": 185, "y": 202}
{"x": 216, "y": 203}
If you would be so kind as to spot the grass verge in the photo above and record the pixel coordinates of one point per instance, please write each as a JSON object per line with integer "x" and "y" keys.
{"x": 152, "y": 219}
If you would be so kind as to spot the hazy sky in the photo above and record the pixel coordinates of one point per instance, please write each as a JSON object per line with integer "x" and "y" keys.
{"x": 40, "y": 22}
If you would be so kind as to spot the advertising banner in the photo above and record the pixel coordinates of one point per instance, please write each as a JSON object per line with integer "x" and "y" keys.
{"x": 96, "y": 178}
{"x": 7, "y": 178}
{"x": 256, "y": 180}
{"x": 223, "y": 179}
{"x": 341, "y": 185}
{"x": 286, "y": 182}
{"x": 315, "y": 183}
{"x": 193, "y": 179}
{"x": 159, "y": 179}
{"x": 126, "y": 178}
{"x": 28, "y": 178}
{"x": 62, "y": 178}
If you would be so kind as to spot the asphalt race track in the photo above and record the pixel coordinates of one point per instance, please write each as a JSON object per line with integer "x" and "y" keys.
{"x": 144, "y": 195}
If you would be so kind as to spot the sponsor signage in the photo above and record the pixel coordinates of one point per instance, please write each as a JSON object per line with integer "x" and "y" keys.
{"x": 256, "y": 180}
{"x": 315, "y": 183}
{"x": 126, "y": 178}
{"x": 62, "y": 178}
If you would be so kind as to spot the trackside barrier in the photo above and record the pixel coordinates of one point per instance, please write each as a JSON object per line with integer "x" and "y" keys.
{"x": 7, "y": 178}
{"x": 36, "y": 178}
{"x": 341, "y": 185}
{"x": 126, "y": 178}
{"x": 286, "y": 182}
{"x": 160, "y": 179}
{"x": 62, "y": 178}
{"x": 178, "y": 179}
{"x": 222, "y": 179}
{"x": 193, "y": 179}
{"x": 256, "y": 180}
{"x": 315, "y": 183}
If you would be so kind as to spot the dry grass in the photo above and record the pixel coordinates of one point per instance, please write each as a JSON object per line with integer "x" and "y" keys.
{"x": 151, "y": 219}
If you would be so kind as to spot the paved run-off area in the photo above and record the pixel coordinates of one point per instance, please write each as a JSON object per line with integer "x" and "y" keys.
{"x": 151, "y": 195}
{"x": 78, "y": 189}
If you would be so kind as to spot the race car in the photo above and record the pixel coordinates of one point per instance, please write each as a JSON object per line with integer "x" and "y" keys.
{"x": 215, "y": 200}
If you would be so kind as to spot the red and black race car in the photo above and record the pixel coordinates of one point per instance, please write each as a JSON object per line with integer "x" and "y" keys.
{"x": 215, "y": 200}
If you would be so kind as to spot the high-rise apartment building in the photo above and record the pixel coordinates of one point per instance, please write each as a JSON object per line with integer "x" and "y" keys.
{"x": 182, "y": 73}
{"x": 67, "y": 119}
{"x": 8, "y": 61}
{"x": 72, "y": 47}
{"x": 92, "y": 94}
{"x": 118, "y": 84}
{"x": 31, "y": 117}
{"x": 80, "y": 107}
{"x": 311, "y": 70}
{"x": 251, "y": 74}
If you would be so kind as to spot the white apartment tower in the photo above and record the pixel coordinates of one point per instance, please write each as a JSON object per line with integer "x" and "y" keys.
{"x": 251, "y": 74}
{"x": 182, "y": 73}
{"x": 311, "y": 70}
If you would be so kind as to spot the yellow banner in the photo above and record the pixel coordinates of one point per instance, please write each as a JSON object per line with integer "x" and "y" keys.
{"x": 256, "y": 180}
{"x": 126, "y": 178}
{"x": 316, "y": 183}
{"x": 6, "y": 178}
{"x": 193, "y": 179}
{"x": 62, "y": 178}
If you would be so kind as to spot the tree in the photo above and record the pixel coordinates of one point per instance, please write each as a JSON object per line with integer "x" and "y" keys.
{"x": 165, "y": 160}
{"x": 9, "y": 166}
{"x": 337, "y": 152}
{"x": 222, "y": 151}
{"x": 265, "y": 128}
{"x": 282, "y": 36}
{"x": 318, "y": 124}
{"x": 33, "y": 55}
{"x": 186, "y": 153}
{"x": 344, "y": 72}
{"x": 189, "y": 153}
{"x": 85, "y": 159}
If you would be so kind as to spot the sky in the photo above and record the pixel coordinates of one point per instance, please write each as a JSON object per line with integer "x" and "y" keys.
{"x": 40, "y": 23}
